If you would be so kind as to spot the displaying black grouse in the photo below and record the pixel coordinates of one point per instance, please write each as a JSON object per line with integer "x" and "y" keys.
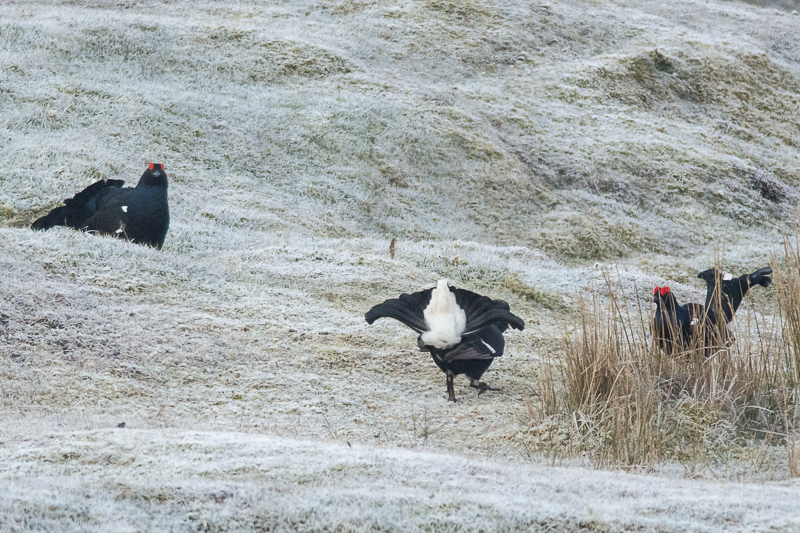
{"x": 139, "y": 214}
{"x": 462, "y": 330}
{"x": 725, "y": 293}
{"x": 681, "y": 328}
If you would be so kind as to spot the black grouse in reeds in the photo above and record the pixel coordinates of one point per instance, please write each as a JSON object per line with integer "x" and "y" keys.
{"x": 139, "y": 214}
{"x": 462, "y": 330}
{"x": 678, "y": 329}
{"x": 725, "y": 293}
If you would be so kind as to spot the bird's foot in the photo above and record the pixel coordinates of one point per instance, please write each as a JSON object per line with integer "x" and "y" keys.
{"x": 481, "y": 386}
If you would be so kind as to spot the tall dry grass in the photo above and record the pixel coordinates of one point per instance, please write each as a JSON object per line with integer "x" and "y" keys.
{"x": 627, "y": 403}
{"x": 787, "y": 281}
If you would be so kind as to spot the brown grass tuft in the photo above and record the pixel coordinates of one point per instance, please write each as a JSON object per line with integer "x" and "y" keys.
{"x": 629, "y": 404}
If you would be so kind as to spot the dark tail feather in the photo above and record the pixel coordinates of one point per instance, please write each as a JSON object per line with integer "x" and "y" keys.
{"x": 57, "y": 217}
{"x": 761, "y": 277}
{"x": 482, "y": 311}
{"x": 78, "y": 209}
{"x": 408, "y": 309}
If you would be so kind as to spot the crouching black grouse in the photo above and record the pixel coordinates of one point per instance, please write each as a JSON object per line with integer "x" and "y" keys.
{"x": 725, "y": 293}
{"x": 139, "y": 214}
{"x": 678, "y": 329}
{"x": 462, "y": 330}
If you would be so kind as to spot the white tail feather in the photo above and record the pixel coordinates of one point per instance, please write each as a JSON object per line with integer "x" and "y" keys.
{"x": 445, "y": 319}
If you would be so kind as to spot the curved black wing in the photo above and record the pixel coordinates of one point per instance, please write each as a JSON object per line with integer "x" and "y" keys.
{"x": 482, "y": 311}
{"x": 408, "y": 309}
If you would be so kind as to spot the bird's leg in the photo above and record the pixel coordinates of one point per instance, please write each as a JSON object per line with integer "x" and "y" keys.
{"x": 451, "y": 393}
{"x": 481, "y": 386}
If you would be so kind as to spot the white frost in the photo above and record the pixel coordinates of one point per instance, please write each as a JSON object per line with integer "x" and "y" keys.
{"x": 334, "y": 130}
{"x": 288, "y": 484}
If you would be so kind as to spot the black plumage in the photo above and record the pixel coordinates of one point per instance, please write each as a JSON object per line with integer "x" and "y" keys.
{"x": 723, "y": 296}
{"x": 77, "y": 210}
{"x": 462, "y": 330}
{"x": 139, "y": 214}
{"x": 678, "y": 329}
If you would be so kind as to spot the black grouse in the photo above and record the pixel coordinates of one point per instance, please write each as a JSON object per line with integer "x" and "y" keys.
{"x": 677, "y": 329}
{"x": 725, "y": 293}
{"x": 462, "y": 330}
{"x": 139, "y": 214}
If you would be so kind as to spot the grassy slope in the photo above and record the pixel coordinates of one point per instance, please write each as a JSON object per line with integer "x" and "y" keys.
{"x": 515, "y": 148}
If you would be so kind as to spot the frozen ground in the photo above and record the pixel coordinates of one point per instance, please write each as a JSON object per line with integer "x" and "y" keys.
{"x": 517, "y": 148}
{"x": 148, "y": 480}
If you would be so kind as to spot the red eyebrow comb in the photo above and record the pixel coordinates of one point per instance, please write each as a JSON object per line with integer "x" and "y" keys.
{"x": 159, "y": 165}
{"x": 655, "y": 291}
{"x": 664, "y": 291}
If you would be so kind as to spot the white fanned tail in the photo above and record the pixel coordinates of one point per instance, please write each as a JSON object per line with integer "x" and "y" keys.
{"x": 445, "y": 319}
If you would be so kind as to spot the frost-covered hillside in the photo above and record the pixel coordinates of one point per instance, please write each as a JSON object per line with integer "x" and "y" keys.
{"x": 521, "y": 149}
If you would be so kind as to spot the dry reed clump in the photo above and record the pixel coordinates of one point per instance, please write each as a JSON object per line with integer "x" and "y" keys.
{"x": 787, "y": 280}
{"x": 627, "y": 403}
